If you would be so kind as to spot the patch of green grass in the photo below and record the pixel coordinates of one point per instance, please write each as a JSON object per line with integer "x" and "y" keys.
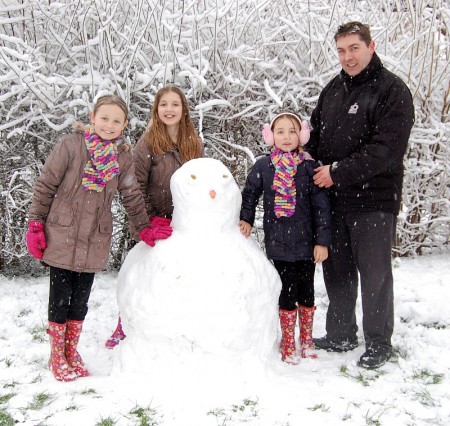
{"x": 40, "y": 400}
{"x": 372, "y": 422}
{"x": 347, "y": 415}
{"x": 72, "y": 407}
{"x": 146, "y": 416}
{"x": 24, "y": 313}
{"x": 37, "y": 379}
{"x": 221, "y": 416}
{"x": 89, "y": 391}
{"x": 424, "y": 397}
{"x": 5, "y": 398}
{"x": 344, "y": 370}
{"x": 38, "y": 333}
{"x": 373, "y": 419}
{"x": 429, "y": 377}
{"x": 5, "y": 418}
{"x": 8, "y": 362}
{"x": 239, "y": 412}
{"x": 13, "y": 384}
{"x": 247, "y": 404}
{"x": 217, "y": 412}
{"x": 363, "y": 377}
{"x": 321, "y": 407}
{"x": 106, "y": 422}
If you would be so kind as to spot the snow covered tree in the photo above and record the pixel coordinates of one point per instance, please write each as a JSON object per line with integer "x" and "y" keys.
{"x": 239, "y": 62}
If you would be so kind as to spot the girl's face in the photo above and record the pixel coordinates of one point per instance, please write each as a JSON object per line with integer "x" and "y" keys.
{"x": 285, "y": 134}
{"x": 109, "y": 121}
{"x": 170, "y": 109}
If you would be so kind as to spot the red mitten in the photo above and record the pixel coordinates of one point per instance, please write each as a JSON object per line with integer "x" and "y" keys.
{"x": 36, "y": 242}
{"x": 150, "y": 235}
{"x": 159, "y": 221}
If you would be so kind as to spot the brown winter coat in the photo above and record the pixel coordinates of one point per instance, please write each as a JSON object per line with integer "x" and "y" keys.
{"x": 78, "y": 223}
{"x": 153, "y": 173}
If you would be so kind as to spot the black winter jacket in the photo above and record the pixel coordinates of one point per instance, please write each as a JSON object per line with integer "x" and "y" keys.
{"x": 364, "y": 123}
{"x": 288, "y": 238}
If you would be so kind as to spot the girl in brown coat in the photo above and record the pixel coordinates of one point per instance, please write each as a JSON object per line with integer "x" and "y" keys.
{"x": 169, "y": 141}
{"x": 70, "y": 222}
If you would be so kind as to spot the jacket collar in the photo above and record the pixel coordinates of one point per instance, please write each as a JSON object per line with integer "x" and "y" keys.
{"x": 366, "y": 74}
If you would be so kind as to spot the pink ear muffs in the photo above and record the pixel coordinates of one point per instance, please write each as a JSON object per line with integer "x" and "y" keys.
{"x": 267, "y": 134}
{"x": 303, "y": 136}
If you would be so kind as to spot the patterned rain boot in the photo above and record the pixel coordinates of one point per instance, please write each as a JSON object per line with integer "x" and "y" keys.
{"x": 74, "y": 360}
{"x": 287, "y": 345}
{"x": 116, "y": 337}
{"x": 58, "y": 362}
{"x": 305, "y": 319}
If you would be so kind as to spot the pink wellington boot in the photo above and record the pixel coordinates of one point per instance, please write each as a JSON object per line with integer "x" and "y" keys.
{"x": 74, "y": 360}
{"x": 305, "y": 319}
{"x": 116, "y": 337}
{"x": 58, "y": 363}
{"x": 287, "y": 345}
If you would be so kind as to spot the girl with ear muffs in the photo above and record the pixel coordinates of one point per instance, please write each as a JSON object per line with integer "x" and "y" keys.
{"x": 296, "y": 225}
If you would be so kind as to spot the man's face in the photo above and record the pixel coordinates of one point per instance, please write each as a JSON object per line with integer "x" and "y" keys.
{"x": 354, "y": 54}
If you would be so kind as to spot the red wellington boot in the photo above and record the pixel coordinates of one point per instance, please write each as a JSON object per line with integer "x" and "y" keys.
{"x": 74, "y": 360}
{"x": 58, "y": 363}
{"x": 116, "y": 337}
{"x": 306, "y": 317}
{"x": 287, "y": 346}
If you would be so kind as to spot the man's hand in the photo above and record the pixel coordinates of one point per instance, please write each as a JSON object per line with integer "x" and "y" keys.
{"x": 322, "y": 177}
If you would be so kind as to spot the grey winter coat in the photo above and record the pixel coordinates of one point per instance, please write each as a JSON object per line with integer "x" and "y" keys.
{"x": 78, "y": 223}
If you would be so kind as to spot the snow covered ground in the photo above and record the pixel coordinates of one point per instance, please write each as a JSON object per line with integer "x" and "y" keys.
{"x": 411, "y": 389}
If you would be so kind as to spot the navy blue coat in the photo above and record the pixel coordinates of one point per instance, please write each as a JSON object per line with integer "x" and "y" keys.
{"x": 288, "y": 238}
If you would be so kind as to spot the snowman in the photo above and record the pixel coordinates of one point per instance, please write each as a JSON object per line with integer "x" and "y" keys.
{"x": 206, "y": 290}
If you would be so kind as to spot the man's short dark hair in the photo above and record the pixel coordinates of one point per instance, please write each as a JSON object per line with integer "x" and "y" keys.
{"x": 354, "y": 27}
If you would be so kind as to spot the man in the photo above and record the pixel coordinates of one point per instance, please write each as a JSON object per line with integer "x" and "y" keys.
{"x": 361, "y": 126}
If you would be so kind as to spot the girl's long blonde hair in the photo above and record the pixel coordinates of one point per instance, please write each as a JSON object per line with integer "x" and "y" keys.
{"x": 157, "y": 137}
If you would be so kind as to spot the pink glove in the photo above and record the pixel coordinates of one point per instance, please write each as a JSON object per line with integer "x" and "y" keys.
{"x": 159, "y": 221}
{"x": 149, "y": 235}
{"x": 36, "y": 242}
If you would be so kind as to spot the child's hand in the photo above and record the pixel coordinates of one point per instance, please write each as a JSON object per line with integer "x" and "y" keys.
{"x": 150, "y": 235}
{"x": 36, "y": 242}
{"x": 245, "y": 228}
{"x": 320, "y": 253}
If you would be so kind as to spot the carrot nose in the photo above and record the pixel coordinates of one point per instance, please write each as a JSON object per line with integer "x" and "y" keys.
{"x": 212, "y": 194}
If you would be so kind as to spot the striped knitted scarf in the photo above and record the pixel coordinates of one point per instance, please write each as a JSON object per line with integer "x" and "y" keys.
{"x": 102, "y": 165}
{"x": 286, "y": 164}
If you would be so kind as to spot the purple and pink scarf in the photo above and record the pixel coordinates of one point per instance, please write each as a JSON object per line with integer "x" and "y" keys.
{"x": 102, "y": 165}
{"x": 286, "y": 164}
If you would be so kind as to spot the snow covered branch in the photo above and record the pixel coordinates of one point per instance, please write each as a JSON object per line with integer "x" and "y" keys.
{"x": 239, "y": 63}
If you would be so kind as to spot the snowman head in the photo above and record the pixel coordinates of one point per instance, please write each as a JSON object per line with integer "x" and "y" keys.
{"x": 205, "y": 197}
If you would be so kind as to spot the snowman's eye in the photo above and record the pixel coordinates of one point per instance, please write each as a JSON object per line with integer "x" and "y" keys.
{"x": 225, "y": 176}
{"x": 193, "y": 177}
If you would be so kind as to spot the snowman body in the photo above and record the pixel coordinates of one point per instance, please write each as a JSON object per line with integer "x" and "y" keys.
{"x": 206, "y": 289}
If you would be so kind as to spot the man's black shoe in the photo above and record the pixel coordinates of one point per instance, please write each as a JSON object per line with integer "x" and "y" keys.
{"x": 333, "y": 346}
{"x": 374, "y": 357}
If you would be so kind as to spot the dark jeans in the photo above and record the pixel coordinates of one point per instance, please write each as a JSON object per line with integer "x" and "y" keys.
{"x": 297, "y": 280}
{"x": 361, "y": 242}
{"x": 69, "y": 295}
